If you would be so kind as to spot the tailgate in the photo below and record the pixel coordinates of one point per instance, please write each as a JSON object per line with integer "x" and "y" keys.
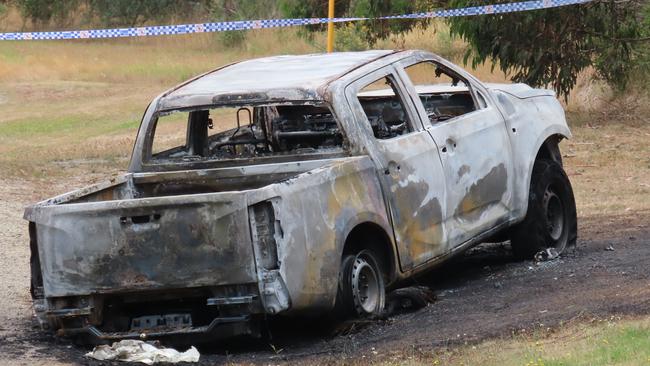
{"x": 151, "y": 243}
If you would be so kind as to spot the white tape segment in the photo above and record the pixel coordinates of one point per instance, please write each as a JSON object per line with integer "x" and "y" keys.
{"x": 160, "y": 30}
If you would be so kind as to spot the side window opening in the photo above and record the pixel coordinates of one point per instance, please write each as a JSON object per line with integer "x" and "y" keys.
{"x": 384, "y": 109}
{"x": 443, "y": 93}
{"x": 170, "y": 132}
{"x": 224, "y": 133}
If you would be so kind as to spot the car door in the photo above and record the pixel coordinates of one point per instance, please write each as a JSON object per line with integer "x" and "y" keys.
{"x": 473, "y": 143}
{"x": 407, "y": 162}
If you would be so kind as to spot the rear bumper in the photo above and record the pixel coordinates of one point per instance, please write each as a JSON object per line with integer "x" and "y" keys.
{"x": 219, "y": 328}
{"x": 202, "y": 314}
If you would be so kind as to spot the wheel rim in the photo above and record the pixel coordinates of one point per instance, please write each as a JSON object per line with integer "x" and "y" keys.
{"x": 554, "y": 214}
{"x": 365, "y": 287}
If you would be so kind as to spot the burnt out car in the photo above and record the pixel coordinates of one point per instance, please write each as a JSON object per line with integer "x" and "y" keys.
{"x": 300, "y": 185}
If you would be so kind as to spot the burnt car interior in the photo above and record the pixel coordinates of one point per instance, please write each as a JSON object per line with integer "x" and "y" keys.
{"x": 444, "y": 106}
{"x": 439, "y": 90}
{"x": 255, "y": 131}
{"x": 384, "y": 109}
{"x": 309, "y": 131}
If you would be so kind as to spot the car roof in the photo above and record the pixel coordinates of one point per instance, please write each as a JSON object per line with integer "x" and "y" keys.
{"x": 290, "y": 77}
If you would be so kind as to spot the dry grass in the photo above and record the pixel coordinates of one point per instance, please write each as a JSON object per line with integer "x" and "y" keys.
{"x": 608, "y": 159}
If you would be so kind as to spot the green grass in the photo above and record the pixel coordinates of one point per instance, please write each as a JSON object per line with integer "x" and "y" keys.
{"x": 620, "y": 342}
{"x": 622, "y": 345}
{"x": 613, "y": 345}
{"x": 9, "y": 54}
{"x": 72, "y": 126}
{"x": 159, "y": 71}
{"x": 36, "y": 147}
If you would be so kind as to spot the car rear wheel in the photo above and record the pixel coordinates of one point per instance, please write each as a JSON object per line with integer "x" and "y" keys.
{"x": 361, "y": 289}
{"x": 551, "y": 217}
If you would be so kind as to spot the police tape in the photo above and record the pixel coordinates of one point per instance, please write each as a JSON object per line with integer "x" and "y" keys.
{"x": 161, "y": 30}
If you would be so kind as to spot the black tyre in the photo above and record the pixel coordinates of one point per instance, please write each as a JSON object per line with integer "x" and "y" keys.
{"x": 361, "y": 290}
{"x": 551, "y": 217}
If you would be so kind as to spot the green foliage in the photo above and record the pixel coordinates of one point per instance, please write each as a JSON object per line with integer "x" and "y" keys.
{"x": 43, "y": 12}
{"x": 550, "y": 47}
{"x": 372, "y": 30}
{"x": 349, "y": 38}
{"x": 116, "y": 13}
{"x": 628, "y": 345}
{"x": 446, "y": 48}
{"x": 641, "y": 72}
{"x": 225, "y": 10}
{"x": 383, "y": 29}
{"x": 113, "y": 13}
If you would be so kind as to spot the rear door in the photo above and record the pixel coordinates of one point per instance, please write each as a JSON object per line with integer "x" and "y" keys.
{"x": 474, "y": 146}
{"x": 407, "y": 163}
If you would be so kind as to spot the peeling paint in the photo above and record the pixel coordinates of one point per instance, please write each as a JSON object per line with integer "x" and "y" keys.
{"x": 485, "y": 191}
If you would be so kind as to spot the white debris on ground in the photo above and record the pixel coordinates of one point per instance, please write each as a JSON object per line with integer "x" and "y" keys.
{"x": 547, "y": 254}
{"x": 139, "y": 351}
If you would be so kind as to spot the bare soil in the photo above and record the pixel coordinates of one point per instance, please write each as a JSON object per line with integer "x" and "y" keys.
{"x": 482, "y": 294}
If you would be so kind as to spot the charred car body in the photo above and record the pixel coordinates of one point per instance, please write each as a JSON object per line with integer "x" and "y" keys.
{"x": 299, "y": 185}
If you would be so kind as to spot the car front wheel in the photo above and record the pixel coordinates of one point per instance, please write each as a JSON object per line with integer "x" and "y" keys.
{"x": 551, "y": 217}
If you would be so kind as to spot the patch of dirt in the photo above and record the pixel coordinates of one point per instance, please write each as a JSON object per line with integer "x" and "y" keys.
{"x": 480, "y": 295}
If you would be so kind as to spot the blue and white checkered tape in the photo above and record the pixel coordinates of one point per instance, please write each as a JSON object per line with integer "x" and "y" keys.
{"x": 160, "y": 30}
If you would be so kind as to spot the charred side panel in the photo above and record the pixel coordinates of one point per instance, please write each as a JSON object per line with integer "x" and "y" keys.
{"x": 478, "y": 168}
{"x": 36, "y": 278}
{"x": 421, "y": 229}
{"x": 530, "y": 121}
{"x": 315, "y": 211}
{"x": 489, "y": 188}
{"x": 414, "y": 186}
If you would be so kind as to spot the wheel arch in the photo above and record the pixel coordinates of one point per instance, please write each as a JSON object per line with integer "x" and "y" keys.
{"x": 550, "y": 149}
{"x": 546, "y": 147}
{"x": 370, "y": 234}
